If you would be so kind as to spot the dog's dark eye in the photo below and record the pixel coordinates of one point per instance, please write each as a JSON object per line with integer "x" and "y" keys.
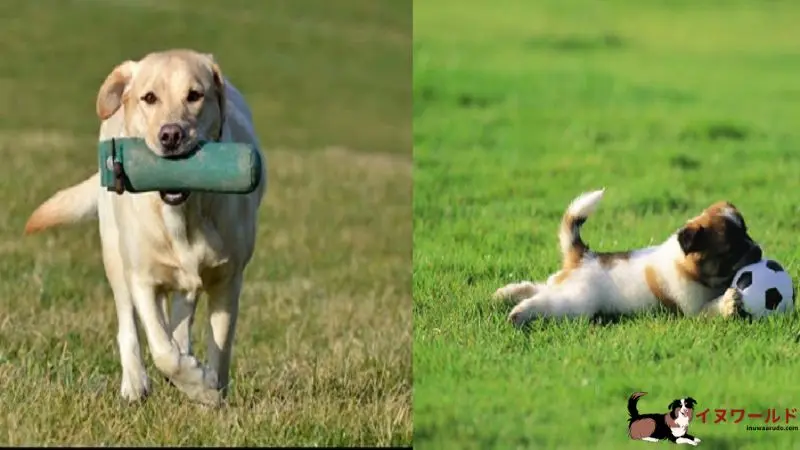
{"x": 149, "y": 98}
{"x": 194, "y": 96}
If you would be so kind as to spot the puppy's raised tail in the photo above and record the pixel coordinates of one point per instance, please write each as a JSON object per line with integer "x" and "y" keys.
{"x": 73, "y": 204}
{"x": 632, "y": 409}
{"x": 569, "y": 235}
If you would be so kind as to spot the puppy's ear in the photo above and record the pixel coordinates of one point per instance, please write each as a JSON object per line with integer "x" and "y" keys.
{"x": 690, "y": 402}
{"x": 674, "y": 404}
{"x": 692, "y": 238}
{"x": 109, "y": 97}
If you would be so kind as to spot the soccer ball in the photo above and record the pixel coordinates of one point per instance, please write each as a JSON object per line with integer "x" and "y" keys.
{"x": 766, "y": 288}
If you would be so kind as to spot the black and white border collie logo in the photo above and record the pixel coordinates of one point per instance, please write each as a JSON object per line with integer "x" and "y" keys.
{"x": 672, "y": 425}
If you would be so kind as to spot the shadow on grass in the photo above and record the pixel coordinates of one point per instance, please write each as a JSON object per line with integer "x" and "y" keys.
{"x": 430, "y": 95}
{"x": 726, "y": 443}
{"x": 574, "y": 43}
{"x": 684, "y": 162}
{"x": 602, "y": 319}
{"x": 717, "y": 131}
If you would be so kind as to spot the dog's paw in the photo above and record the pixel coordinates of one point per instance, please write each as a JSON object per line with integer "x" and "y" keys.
{"x": 206, "y": 393}
{"x": 733, "y": 304}
{"x": 135, "y": 386}
{"x": 200, "y": 394}
{"x": 518, "y": 317}
{"x": 685, "y": 440}
{"x": 515, "y": 292}
{"x": 199, "y": 382}
{"x": 697, "y": 441}
{"x": 500, "y": 294}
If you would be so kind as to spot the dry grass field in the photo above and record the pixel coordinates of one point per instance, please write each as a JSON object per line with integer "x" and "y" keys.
{"x": 323, "y": 353}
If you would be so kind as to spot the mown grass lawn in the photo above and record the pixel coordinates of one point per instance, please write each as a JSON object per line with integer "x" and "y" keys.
{"x": 518, "y": 108}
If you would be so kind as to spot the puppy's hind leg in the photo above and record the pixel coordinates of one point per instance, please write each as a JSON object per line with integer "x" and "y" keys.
{"x": 553, "y": 301}
{"x": 515, "y": 292}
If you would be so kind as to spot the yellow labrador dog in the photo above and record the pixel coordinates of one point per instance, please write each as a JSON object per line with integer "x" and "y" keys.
{"x": 169, "y": 244}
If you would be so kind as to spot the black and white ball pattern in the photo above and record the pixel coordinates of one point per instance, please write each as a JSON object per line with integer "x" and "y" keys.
{"x": 766, "y": 288}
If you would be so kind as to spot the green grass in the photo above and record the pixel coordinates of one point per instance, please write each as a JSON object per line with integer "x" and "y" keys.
{"x": 517, "y": 109}
{"x": 323, "y": 353}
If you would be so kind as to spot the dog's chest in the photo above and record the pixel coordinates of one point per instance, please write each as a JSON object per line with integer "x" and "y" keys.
{"x": 678, "y": 431}
{"x": 679, "y": 426}
{"x": 196, "y": 252}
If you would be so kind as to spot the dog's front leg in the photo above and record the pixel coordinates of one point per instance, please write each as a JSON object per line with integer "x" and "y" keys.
{"x": 135, "y": 383}
{"x": 729, "y": 304}
{"x": 181, "y": 319}
{"x": 223, "y": 310}
{"x": 692, "y": 438}
{"x": 183, "y": 370}
{"x": 686, "y": 440}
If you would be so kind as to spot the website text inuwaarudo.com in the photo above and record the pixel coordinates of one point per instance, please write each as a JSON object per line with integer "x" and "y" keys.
{"x": 772, "y": 428}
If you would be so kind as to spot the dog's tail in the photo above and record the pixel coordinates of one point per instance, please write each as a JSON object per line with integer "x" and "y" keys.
{"x": 569, "y": 235}
{"x": 632, "y": 401}
{"x": 73, "y": 204}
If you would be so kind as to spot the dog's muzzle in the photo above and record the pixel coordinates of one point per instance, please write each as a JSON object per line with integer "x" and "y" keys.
{"x": 174, "y": 198}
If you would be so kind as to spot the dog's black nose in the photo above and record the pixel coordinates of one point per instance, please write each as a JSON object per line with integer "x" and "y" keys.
{"x": 171, "y": 136}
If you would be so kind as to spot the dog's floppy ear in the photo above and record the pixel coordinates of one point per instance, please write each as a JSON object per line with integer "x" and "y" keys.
{"x": 690, "y": 402}
{"x": 692, "y": 238}
{"x": 219, "y": 84}
{"x": 109, "y": 97}
{"x": 672, "y": 407}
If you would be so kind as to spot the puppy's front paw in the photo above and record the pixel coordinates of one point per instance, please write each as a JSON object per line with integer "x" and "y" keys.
{"x": 733, "y": 304}
{"x": 519, "y": 316}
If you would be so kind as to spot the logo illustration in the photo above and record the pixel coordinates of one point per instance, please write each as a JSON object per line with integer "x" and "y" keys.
{"x": 672, "y": 425}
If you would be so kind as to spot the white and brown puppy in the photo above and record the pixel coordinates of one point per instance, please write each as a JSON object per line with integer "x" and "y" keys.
{"x": 169, "y": 244}
{"x": 689, "y": 273}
